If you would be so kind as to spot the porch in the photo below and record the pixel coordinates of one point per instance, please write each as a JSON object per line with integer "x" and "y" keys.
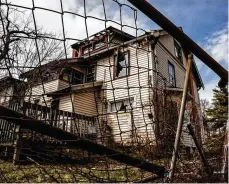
{"x": 77, "y": 124}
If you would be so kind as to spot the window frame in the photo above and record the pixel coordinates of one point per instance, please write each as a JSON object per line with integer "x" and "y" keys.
{"x": 115, "y": 65}
{"x": 131, "y": 99}
{"x": 103, "y": 39}
{"x": 73, "y": 77}
{"x": 70, "y": 76}
{"x": 86, "y": 76}
{"x": 174, "y": 71}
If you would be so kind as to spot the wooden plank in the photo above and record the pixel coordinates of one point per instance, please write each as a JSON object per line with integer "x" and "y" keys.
{"x": 75, "y": 141}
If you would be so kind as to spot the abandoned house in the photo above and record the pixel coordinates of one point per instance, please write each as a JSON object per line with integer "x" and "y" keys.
{"x": 120, "y": 86}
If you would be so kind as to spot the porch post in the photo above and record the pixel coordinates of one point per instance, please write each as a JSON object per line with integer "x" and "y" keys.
{"x": 181, "y": 117}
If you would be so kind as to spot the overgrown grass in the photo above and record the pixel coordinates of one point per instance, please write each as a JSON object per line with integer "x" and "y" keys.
{"x": 67, "y": 173}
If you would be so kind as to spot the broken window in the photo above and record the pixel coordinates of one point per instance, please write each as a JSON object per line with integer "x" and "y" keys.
{"x": 122, "y": 105}
{"x": 122, "y": 64}
{"x": 171, "y": 74}
{"x": 178, "y": 51}
{"x": 90, "y": 77}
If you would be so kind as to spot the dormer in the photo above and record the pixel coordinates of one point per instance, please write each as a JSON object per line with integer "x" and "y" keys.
{"x": 100, "y": 41}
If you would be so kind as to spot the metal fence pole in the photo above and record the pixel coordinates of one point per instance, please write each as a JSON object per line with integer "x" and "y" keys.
{"x": 181, "y": 117}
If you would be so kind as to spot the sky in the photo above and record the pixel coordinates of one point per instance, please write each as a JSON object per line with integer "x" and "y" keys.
{"x": 205, "y": 21}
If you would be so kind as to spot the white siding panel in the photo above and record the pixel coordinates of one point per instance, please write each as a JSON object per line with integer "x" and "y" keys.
{"x": 62, "y": 84}
{"x": 86, "y": 104}
{"x": 36, "y": 92}
{"x": 66, "y": 104}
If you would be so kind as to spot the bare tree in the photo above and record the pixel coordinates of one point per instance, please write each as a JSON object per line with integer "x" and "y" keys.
{"x": 23, "y": 45}
{"x": 205, "y": 104}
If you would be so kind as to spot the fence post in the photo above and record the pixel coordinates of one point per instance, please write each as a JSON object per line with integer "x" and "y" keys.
{"x": 181, "y": 117}
{"x": 16, "y": 145}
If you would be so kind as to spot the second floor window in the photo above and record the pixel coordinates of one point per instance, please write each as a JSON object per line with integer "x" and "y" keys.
{"x": 72, "y": 76}
{"x": 76, "y": 77}
{"x": 178, "y": 51}
{"x": 90, "y": 77}
{"x": 172, "y": 74}
{"x": 122, "y": 64}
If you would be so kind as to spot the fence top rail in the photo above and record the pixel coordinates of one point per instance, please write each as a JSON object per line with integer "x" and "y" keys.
{"x": 28, "y": 105}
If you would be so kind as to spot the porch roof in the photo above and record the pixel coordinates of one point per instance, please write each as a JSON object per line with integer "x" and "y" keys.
{"x": 78, "y": 88}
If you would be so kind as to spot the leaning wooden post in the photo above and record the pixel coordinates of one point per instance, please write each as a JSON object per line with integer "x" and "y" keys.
{"x": 207, "y": 167}
{"x": 16, "y": 145}
{"x": 181, "y": 117}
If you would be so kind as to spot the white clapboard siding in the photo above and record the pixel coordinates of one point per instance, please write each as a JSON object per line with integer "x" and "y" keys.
{"x": 121, "y": 127}
{"x": 66, "y": 103}
{"x": 85, "y": 103}
{"x": 62, "y": 84}
{"x": 36, "y": 92}
{"x": 137, "y": 86}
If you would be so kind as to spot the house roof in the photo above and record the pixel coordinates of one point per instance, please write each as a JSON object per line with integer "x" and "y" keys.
{"x": 55, "y": 65}
{"x": 110, "y": 29}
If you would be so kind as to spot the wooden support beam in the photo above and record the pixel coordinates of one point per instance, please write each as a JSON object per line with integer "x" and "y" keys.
{"x": 76, "y": 141}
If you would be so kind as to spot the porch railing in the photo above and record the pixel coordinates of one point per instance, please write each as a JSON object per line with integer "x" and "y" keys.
{"x": 81, "y": 125}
